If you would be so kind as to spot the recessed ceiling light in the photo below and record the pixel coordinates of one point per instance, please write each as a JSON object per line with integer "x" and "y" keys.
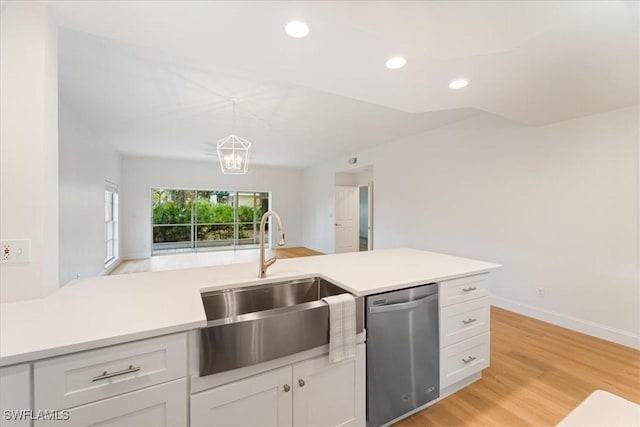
{"x": 396, "y": 62}
{"x": 458, "y": 84}
{"x": 297, "y": 29}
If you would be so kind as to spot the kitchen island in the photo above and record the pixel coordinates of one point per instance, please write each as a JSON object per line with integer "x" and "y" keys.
{"x": 164, "y": 309}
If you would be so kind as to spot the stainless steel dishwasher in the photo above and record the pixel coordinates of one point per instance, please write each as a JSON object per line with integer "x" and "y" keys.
{"x": 403, "y": 367}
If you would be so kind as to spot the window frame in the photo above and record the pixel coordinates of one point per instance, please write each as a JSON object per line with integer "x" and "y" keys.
{"x": 111, "y": 224}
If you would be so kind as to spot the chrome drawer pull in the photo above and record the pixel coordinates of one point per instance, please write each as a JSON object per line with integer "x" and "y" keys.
{"x": 469, "y": 360}
{"x": 469, "y": 321}
{"x": 469, "y": 289}
{"x": 105, "y": 375}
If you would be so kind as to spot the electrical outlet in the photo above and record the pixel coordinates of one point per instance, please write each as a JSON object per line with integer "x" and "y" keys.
{"x": 540, "y": 292}
{"x": 15, "y": 250}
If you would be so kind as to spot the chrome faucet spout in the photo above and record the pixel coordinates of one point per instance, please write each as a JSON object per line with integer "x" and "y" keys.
{"x": 264, "y": 264}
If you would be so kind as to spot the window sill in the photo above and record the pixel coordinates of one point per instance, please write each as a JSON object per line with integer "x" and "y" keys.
{"x": 110, "y": 266}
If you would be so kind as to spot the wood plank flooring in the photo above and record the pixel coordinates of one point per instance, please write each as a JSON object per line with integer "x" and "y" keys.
{"x": 203, "y": 259}
{"x": 539, "y": 372}
{"x": 296, "y": 252}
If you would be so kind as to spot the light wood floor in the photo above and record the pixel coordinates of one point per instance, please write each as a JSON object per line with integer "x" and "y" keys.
{"x": 203, "y": 259}
{"x": 538, "y": 374}
{"x": 296, "y": 252}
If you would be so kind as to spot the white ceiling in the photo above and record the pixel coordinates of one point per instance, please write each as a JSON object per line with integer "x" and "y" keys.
{"x": 156, "y": 77}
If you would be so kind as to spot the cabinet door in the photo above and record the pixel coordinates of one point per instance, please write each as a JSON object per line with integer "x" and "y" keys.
{"x": 157, "y": 406}
{"x": 330, "y": 394}
{"x": 261, "y": 400}
{"x": 15, "y": 395}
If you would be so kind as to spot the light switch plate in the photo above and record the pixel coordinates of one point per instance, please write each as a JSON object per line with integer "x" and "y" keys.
{"x": 15, "y": 250}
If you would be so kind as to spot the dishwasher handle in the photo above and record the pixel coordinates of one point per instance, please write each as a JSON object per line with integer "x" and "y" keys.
{"x": 402, "y": 305}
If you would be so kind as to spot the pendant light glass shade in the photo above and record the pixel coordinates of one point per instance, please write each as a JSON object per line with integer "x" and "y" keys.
{"x": 233, "y": 153}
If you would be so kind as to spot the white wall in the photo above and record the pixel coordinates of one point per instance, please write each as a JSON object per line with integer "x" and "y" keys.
{"x": 29, "y": 147}
{"x": 557, "y": 205}
{"x": 86, "y": 163}
{"x": 140, "y": 175}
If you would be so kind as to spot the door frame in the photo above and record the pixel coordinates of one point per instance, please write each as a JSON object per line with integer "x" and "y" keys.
{"x": 369, "y": 187}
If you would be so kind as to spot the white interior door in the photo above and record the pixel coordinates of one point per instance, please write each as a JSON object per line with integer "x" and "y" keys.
{"x": 347, "y": 219}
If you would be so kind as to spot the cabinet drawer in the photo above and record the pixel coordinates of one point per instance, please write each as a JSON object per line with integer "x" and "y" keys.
{"x": 163, "y": 405}
{"x": 460, "y": 360}
{"x": 463, "y": 289}
{"x": 68, "y": 381}
{"x": 459, "y": 322}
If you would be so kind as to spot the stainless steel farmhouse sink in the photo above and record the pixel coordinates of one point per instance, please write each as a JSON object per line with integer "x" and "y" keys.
{"x": 254, "y": 324}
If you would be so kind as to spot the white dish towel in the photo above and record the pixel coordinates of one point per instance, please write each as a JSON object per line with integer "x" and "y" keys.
{"x": 342, "y": 327}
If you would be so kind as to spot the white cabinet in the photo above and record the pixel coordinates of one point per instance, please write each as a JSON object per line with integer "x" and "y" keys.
{"x": 67, "y": 381}
{"x": 310, "y": 393}
{"x": 261, "y": 400}
{"x": 163, "y": 405}
{"x": 463, "y": 359}
{"x": 329, "y": 394}
{"x": 463, "y": 289}
{"x": 463, "y": 321}
{"x": 140, "y": 383}
{"x": 15, "y": 394}
{"x": 464, "y": 330}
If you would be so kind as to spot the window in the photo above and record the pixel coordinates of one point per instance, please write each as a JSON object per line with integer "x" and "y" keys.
{"x": 111, "y": 223}
{"x": 193, "y": 220}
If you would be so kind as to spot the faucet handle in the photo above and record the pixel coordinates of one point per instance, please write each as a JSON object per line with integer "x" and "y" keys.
{"x": 269, "y": 262}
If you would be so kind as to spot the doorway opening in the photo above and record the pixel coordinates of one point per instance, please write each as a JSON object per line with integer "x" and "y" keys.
{"x": 363, "y": 213}
{"x": 353, "y": 215}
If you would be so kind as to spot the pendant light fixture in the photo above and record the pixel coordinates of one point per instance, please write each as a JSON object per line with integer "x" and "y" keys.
{"x": 233, "y": 151}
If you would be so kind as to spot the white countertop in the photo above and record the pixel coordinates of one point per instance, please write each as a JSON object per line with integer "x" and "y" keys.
{"x": 95, "y": 312}
{"x": 603, "y": 409}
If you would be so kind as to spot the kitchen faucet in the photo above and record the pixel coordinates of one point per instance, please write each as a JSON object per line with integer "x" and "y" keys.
{"x": 264, "y": 264}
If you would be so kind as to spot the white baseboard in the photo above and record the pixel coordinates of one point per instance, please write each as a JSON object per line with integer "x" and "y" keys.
{"x": 130, "y": 257}
{"x": 585, "y": 326}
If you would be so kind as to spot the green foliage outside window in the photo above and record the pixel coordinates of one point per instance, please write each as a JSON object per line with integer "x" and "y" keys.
{"x": 214, "y": 221}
